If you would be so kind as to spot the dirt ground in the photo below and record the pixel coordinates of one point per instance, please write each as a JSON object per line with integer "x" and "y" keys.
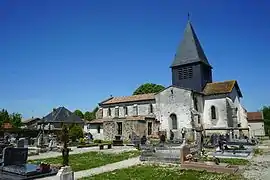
{"x": 259, "y": 169}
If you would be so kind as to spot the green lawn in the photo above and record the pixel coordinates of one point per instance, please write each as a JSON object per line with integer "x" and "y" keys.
{"x": 231, "y": 161}
{"x": 151, "y": 172}
{"x": 89, "y": 160}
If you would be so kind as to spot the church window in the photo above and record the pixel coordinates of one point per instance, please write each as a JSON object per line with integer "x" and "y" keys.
{"x": 109, "y": 112}
{"x": 116, "y": 112}
{"x": 125, "y": 110}
{"x": 135, "y": 110}
{"x": 173, "y": 121}
{"x": 185, "y": 73}
{"x": 150, "y": 108}
{"x": 213, "y": 112}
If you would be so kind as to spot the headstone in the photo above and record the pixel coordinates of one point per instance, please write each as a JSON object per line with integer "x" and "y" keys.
{"x": 184, "y": 151}
{"x": 20, "y": 143}
{"x": 65, "y": 173}
{"x": 14, "y": 156}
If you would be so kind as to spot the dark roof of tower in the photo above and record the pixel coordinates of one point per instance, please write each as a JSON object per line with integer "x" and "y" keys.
{"x": 190, "y": 49}
{"x": 62, "y": 114}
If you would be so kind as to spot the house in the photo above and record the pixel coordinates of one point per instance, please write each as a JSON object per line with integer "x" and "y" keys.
{"x": 193, "y": 100}
{"x": 256, "y": 123}
{"x": 59, "y": 117}
{"x": 31, "y": 123}
{"x": 95, "y": 127}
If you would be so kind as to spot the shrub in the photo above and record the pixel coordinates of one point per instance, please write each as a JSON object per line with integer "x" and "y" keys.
{"x": 97, "y": 141}
{"x": 75, "y": 132}
{"x": 82, "y": 141}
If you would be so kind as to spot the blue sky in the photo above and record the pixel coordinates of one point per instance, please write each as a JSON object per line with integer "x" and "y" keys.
{"x": 78, "y": 53}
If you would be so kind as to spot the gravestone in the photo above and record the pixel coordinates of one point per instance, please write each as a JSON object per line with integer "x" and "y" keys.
{"x": 15, "y": 166}
{"x": 65, "y": 173}
{"x": 20, "y": 143}
{"x": 135, "y": 139}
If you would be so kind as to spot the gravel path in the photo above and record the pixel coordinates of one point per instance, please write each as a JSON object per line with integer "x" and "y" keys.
{"x": 115, "y": 150}
{"x": 260, "y": 165}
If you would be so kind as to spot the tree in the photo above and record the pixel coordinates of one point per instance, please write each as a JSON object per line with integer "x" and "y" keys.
{"x": 75, "y": 132}
{"x": 16, "y": 120}
{"x": 79, "y": 113}
{"x": 148, "y": 88}
{"x": 4, "y": 116}
{"x": 89, "y": 116}
{"x": 266, "y": 114}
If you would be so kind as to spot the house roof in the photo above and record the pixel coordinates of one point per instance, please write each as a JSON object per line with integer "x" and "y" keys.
{"x": 255, "y": 116}
{"x": 190, "y": 49}
{"x": 62, "y": 114}
{"x": 95, "y": 121}
{"x": 221, "y": 88}
{"x": 30, "y": 120}
{"x": 125, "y": 99}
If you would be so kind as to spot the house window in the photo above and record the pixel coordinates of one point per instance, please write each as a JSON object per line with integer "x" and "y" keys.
{"x": 116, "y": 112}
{"x": 109, "y": 112}
{"x": 173, "y": 121}
{"x": 135, "y": 110}
{"x": 98, "y": 129}
{"x": 119, "y": 128}
{"x": 150, "y": 108}
{"x": 149, "y": 128}
{"x": 185, "y": 73}
{"x": 125, "y": 110}
{"x": 213, "y": 112}
{"x": 196, "y": 104}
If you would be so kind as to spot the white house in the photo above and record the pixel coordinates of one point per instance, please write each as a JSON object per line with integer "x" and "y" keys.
{"x": 256, "y": 123}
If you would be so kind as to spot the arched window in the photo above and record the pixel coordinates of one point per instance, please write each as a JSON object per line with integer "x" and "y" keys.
{"x": 213, "y": 112}
{"x": 173, "y": 121}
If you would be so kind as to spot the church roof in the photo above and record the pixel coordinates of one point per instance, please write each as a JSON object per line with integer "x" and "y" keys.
{"x": 190, "y": 49}
{"x": 221, "y": 88}
{"x": 125, "y": 99}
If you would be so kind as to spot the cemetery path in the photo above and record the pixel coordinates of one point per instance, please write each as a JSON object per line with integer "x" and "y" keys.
{"x": 260, "y": 165}
{"x": 108, "y": 167}
{"x": 75, "y": 150}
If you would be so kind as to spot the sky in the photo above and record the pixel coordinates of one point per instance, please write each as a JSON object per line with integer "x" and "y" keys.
{"x": 78, "y": 53}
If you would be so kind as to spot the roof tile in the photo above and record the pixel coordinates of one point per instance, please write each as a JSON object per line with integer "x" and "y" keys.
{"x": 124, "y": 99}
{"x": 255, "y": 116}
{"x": 219, "y": 87}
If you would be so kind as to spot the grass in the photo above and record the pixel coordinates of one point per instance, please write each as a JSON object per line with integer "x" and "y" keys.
{"x": 152, "y": 172}
{"x": 89, "y": 160}
{"x": 231, "y": 161}
{"x": 258, "y": 151}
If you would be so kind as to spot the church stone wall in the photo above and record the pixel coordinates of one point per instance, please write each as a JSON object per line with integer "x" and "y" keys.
{"x": 221, "y": 113}
{"x": 143, "y": 109}
{"x": 174, "y": 101}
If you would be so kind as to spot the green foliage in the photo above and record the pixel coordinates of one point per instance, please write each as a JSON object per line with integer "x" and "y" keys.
{"x": 15, "y": 119}
{"x": 65, "y": 135}
{"x": 89, "y": 116}
{"x": 266, "y": 114}
{"x": 162, "y": 172}
{"x": 75, "y": 132}
{"x": 148, "y": 88}
{"x": 79, "y": 113}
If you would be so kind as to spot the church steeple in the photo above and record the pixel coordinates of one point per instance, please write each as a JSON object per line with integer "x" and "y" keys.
{"x": 190, "y": 67}
{"x": 190, "y": 49}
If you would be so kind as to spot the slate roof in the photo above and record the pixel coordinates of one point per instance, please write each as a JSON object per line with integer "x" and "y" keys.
{"x": 62, "y": 114}
{"x": 221, "y": 88}
{"x": 125, "y": 99}
{"x": 190, "y": 49}
{"x": 255, "y": 116}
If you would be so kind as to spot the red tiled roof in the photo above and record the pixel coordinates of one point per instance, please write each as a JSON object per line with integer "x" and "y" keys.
{"x": 255, "y": 116}
{"x": 7, "y": 126}
{"x": 134, "y": 98}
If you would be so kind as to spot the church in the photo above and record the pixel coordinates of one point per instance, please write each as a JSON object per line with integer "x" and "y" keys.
{"x": 193, "y": 100}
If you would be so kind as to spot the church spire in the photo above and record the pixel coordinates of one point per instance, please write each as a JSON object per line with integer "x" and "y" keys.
{"x": 190, "y": 50}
